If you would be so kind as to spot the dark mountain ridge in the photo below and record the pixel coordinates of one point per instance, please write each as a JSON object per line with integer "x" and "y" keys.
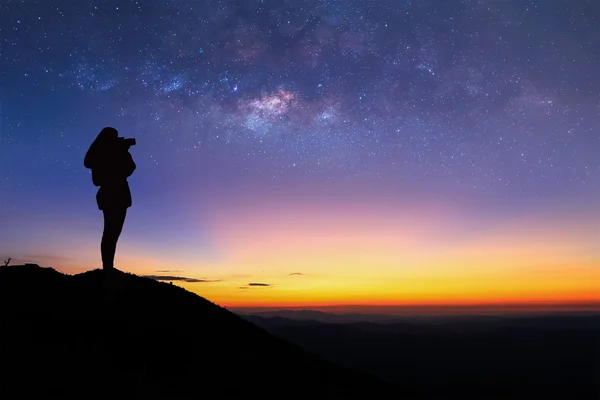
{"x": 119, "y": 335}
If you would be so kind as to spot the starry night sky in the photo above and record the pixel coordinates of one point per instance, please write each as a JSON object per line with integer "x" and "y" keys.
{"x": 322, "y": 151}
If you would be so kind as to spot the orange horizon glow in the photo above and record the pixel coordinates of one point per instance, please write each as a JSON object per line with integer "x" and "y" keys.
{"x": 379, "y": 253}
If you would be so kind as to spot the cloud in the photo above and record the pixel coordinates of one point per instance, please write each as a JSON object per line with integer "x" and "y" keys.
{"x": 255, "y": 284}
{"x": 296, "y": 274}
{"x": 168, "y": 270}
{"x": 179, "y": 278}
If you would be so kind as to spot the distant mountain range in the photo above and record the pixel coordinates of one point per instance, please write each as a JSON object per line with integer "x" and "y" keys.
{"x": 427, "y": 317}
{"x": 99, "y": 335}
{"x": 487, "y": 357}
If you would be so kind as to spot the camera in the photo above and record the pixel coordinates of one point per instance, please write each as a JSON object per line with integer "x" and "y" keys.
{"x": 127, "y": 142}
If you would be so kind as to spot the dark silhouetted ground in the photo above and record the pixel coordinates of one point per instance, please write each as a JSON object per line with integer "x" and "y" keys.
{"x": 64, "y": 336}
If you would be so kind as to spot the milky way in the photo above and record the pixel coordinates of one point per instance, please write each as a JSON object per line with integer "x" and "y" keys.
{"x": 484, "y": 95}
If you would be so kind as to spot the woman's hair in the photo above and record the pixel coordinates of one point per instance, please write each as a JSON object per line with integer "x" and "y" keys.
{"x": 105, "y": 137}
{"x": 102, "y": 143}
{"x": 107, "y": 133}
{"x": 101, "y": 147}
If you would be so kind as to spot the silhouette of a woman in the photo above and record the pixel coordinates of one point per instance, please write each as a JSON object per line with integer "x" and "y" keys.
{"x": 111, "y": 163}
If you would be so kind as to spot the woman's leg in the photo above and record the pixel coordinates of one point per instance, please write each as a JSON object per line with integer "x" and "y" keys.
{"x": 113, "y": 225}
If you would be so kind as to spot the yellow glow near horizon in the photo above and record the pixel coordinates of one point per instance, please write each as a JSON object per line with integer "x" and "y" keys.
{"x": 357, "y": 253}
